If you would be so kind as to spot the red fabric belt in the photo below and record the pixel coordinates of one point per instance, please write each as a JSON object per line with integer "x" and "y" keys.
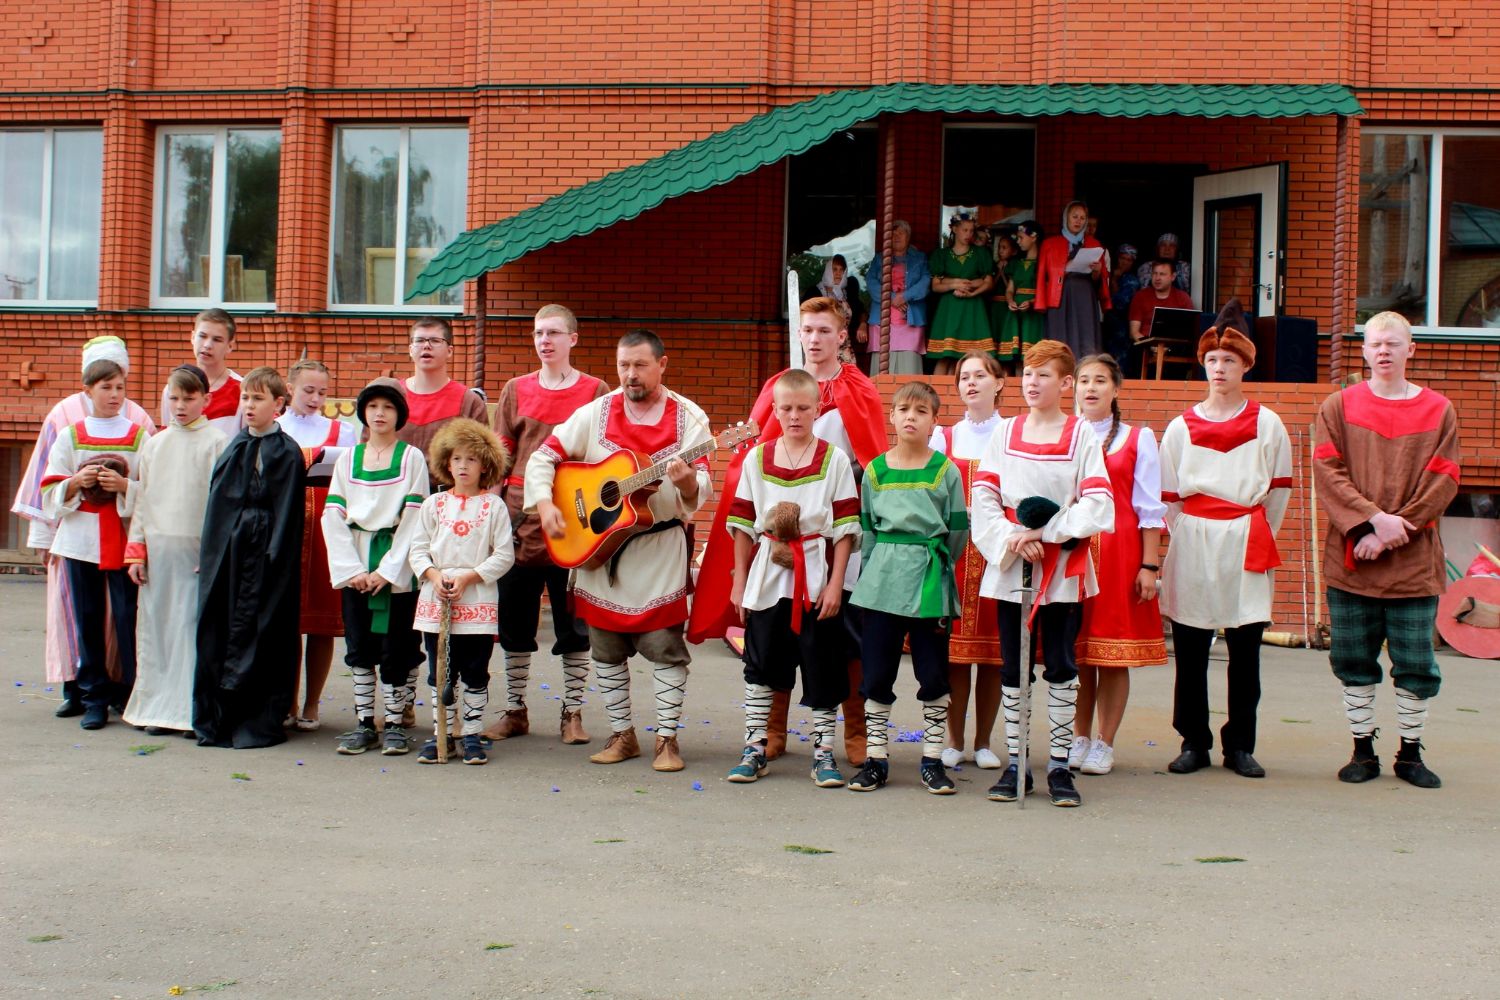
{"x": 111, "y": 533}
{"x": 1260, "y": 548}
{"x": 1078, "y": 559}
{"x": 800, "y": 597}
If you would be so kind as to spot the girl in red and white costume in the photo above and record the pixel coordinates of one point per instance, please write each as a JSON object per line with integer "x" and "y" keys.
{"x": 1122, "y": 623}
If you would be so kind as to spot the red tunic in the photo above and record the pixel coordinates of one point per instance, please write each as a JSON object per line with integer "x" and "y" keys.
{"x": 1117, "y": 629}
{"x": 976, "y": 632}
{"x": 322, "y": 607}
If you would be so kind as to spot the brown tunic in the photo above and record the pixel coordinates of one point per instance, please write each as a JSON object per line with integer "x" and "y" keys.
{"x": 431, "y": 410}
{"x": 1394, "y": 455}
{"x": 524, "y": 418}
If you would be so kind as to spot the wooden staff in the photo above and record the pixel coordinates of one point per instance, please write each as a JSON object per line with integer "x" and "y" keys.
{"x": 1315, "y": 632}
{"x": 444, "y": 624}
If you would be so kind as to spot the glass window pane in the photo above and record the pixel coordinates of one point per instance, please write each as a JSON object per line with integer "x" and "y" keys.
{"x": 186, "y": 213}
{"x": 20, "y": 214}
{"x": 77, "y": 190}
{"x": 1394, "y": 178}
{"x": 364, "y": 216}
{"x": 991, "y": 171}
{"x": 254, "y": 169}
{"x": 1469, "y": 279}
{"x": 437, "y": 190}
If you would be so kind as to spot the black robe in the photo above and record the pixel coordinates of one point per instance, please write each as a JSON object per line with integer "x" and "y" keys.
{"x": 249, "y": 590}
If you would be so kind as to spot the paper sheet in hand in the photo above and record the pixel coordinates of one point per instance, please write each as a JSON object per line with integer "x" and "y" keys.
{"x": 1084, "y": 259}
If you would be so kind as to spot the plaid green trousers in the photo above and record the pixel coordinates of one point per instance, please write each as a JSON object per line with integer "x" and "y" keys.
{"x": 1360, "y": 624}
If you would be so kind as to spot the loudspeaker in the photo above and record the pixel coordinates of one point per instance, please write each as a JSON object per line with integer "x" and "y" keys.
{"x": 1286, "y": 349}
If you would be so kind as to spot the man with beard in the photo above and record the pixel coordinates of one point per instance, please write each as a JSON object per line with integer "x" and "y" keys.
{"x": 637, "y": 601}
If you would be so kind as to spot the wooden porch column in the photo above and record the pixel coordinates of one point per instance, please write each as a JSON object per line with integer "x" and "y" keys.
{"x": 887, "y": 221}
{"x": 481, "y": 306}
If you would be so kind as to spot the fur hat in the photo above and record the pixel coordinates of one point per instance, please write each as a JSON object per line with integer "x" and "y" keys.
{"x": 1230, "y": 332}
{"x": 388, "y": 389}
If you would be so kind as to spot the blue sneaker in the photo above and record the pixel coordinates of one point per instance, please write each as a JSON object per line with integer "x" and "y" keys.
{"x": 825, "y": 773}
{"x": 751, "y": 766}
{"x": 474, "y": 751}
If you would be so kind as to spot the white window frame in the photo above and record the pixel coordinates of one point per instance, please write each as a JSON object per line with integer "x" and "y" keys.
{"x": 403, "y": 161}
{"x": 1429, "y": 328}
{"x": 220, "y": 187}
{"x": 44, "y": 267}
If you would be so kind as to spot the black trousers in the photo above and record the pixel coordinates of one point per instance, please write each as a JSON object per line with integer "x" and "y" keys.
{"x": 468, "y": 658}
{"x": 1190, "y": 695}
{"x": 395, "y": 652}
{"x": 98, "y": 593}
{"x": 1057, "y": 625}
{"x": 882, "y": 635}
{"x": 520, "y": 601}
{"x": 773, "y": 652}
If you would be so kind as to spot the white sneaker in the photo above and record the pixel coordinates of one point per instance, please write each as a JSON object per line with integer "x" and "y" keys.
{"x": 952, "y": 757}
{"x": 986, "y": 759}
{"x": 1081, "y": 746}
{"x": 1100, "y": 760}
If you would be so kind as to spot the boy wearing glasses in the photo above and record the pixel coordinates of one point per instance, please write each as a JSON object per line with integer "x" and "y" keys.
{"x": 433, "y": 397}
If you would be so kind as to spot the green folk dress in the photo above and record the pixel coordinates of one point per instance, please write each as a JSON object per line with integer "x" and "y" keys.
{"x": 1017, "y": 331}
{"x": 959, "y": 325}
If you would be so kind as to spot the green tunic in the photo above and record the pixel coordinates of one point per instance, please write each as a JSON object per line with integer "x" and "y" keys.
{"x": 959, "y": 325}
{"x": 915, "y": 525}
{"x": 1019, "y": 330}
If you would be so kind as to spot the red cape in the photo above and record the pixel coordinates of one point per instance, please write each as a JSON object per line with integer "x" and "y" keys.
{"x": 858, "y": 402}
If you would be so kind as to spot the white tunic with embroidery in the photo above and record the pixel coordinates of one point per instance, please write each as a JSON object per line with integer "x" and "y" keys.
{"x": 365, "y": 502}
{"x": 454, "y": 534}
{"x": 82, "y": 533}
{"x": 824, "y": 491}
{"x": 1246, "y": 460}
{"x": 1071, "y": 473}
{"x": 650, "y": 589}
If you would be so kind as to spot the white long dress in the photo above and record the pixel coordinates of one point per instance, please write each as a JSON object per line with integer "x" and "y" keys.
{"x": 167, "y": 504}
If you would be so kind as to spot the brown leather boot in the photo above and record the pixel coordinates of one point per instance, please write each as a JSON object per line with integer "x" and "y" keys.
{"x": 781, "y": 704}
{"x": 514, "y": 722}
{"x": 854, "y": 719}
{"x": 572, "y": 729}
{"x": 667, "y": 758}
{"x": 409, "y": 716}
{"x": 621, "y": 746}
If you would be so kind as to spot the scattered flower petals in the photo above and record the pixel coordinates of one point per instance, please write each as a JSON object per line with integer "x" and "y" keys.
{"x": 697, "y": 786}
{"x": 545, "y": 687}
{"x": 299, "y": 763}
{"x": 556, "y": 789}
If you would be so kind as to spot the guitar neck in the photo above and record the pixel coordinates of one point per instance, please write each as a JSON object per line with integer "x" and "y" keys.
{"x": 658, "y": 471}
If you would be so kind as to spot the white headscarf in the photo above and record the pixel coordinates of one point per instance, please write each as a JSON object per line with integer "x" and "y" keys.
{"x": 833, "y": 289}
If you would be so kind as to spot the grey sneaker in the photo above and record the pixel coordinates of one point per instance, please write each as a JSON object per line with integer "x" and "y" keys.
{"x": 358, "y": 740}
{"x": 395, "y": 742}
{"x": 825, "y": 773}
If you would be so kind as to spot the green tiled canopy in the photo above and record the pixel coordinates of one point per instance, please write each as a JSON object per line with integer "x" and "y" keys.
{"x": 795, "y": 128}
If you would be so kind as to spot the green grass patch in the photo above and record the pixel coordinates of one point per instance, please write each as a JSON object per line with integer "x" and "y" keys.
{"x": 640, "y": 791}
{"x": 1219, "y": 859}
{"x": 43, "y": 938}
{"x": 1298, "y": 722}
{"x": 611, "y": 840}
{"x": 498, "y": 946}
{"x": 1474, "y": 710}
{"x": 804, "y": 849}
{"x": 147, "y": 749}
{"x": 222, "y": 984}
{"x": 239, "y": 776}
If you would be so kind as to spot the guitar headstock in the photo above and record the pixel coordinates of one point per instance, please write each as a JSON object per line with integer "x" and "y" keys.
{"x": 733, "y": 437}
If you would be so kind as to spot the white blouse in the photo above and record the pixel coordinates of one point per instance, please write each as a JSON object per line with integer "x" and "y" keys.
{"x": 969, "y": 438}
{"x": 1145, "y": 491}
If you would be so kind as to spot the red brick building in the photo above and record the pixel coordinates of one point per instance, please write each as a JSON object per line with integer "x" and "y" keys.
{"x": 301, "y": 162}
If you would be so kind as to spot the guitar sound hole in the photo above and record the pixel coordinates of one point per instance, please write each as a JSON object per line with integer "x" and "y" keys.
{"x": 609, "y": 494}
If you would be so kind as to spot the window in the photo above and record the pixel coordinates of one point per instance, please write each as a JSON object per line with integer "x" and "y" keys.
{"x": 989, "y": 170}
{"x": 50, "y": 192}
{"x": 215, "y": 234}
{"x": 830, "y": 206}
{"x": 1429, "y": 227}
{"x": 399, "y": 195}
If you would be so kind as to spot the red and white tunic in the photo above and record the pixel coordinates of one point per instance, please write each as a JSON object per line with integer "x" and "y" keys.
{"x": 650, "y": 590}
{"x": 88, "y": 531}
{"x": 1226, "y": 484}
{"x": 457, "y": 533}
{"x": 1071, "y": 473}
{"x": 1119, "y": 630}
{"x": 976, "y": 632}
{"x": 222, "y": 409}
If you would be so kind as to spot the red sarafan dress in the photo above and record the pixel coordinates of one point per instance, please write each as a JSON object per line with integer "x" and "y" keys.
{"x": 1118, "y": 630}
{"x": 976, "y": 633}
{"x": 322, "y": 607}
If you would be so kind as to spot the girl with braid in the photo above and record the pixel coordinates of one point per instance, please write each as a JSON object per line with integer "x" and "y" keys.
{"x": 461, "y": 547}
{"x": 1121, "y": 625}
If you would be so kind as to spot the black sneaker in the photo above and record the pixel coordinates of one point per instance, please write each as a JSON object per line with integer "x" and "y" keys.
{"x": 1060, "y": 786}
{"x": 1410, "y": 768}
{"x": 870, "y": 777}
{"x": 935, "y": 777}
{"x": 1363, "y": 764}
{"x": 428, "y": 753}
{"x": 1004, "y": 790}
{"x": 394, "y": 742}
{"x": 358, "y": 740}
{"x": 473, "y": 751}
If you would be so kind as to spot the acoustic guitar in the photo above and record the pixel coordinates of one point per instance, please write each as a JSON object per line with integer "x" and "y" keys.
{"x": 603, "y": 503}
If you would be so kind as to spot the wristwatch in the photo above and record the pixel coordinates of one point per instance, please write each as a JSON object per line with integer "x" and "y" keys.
{"x": 1151, "y": 567}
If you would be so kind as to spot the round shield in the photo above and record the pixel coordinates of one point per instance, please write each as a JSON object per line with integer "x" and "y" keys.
{"x": 1457, "y": 611}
